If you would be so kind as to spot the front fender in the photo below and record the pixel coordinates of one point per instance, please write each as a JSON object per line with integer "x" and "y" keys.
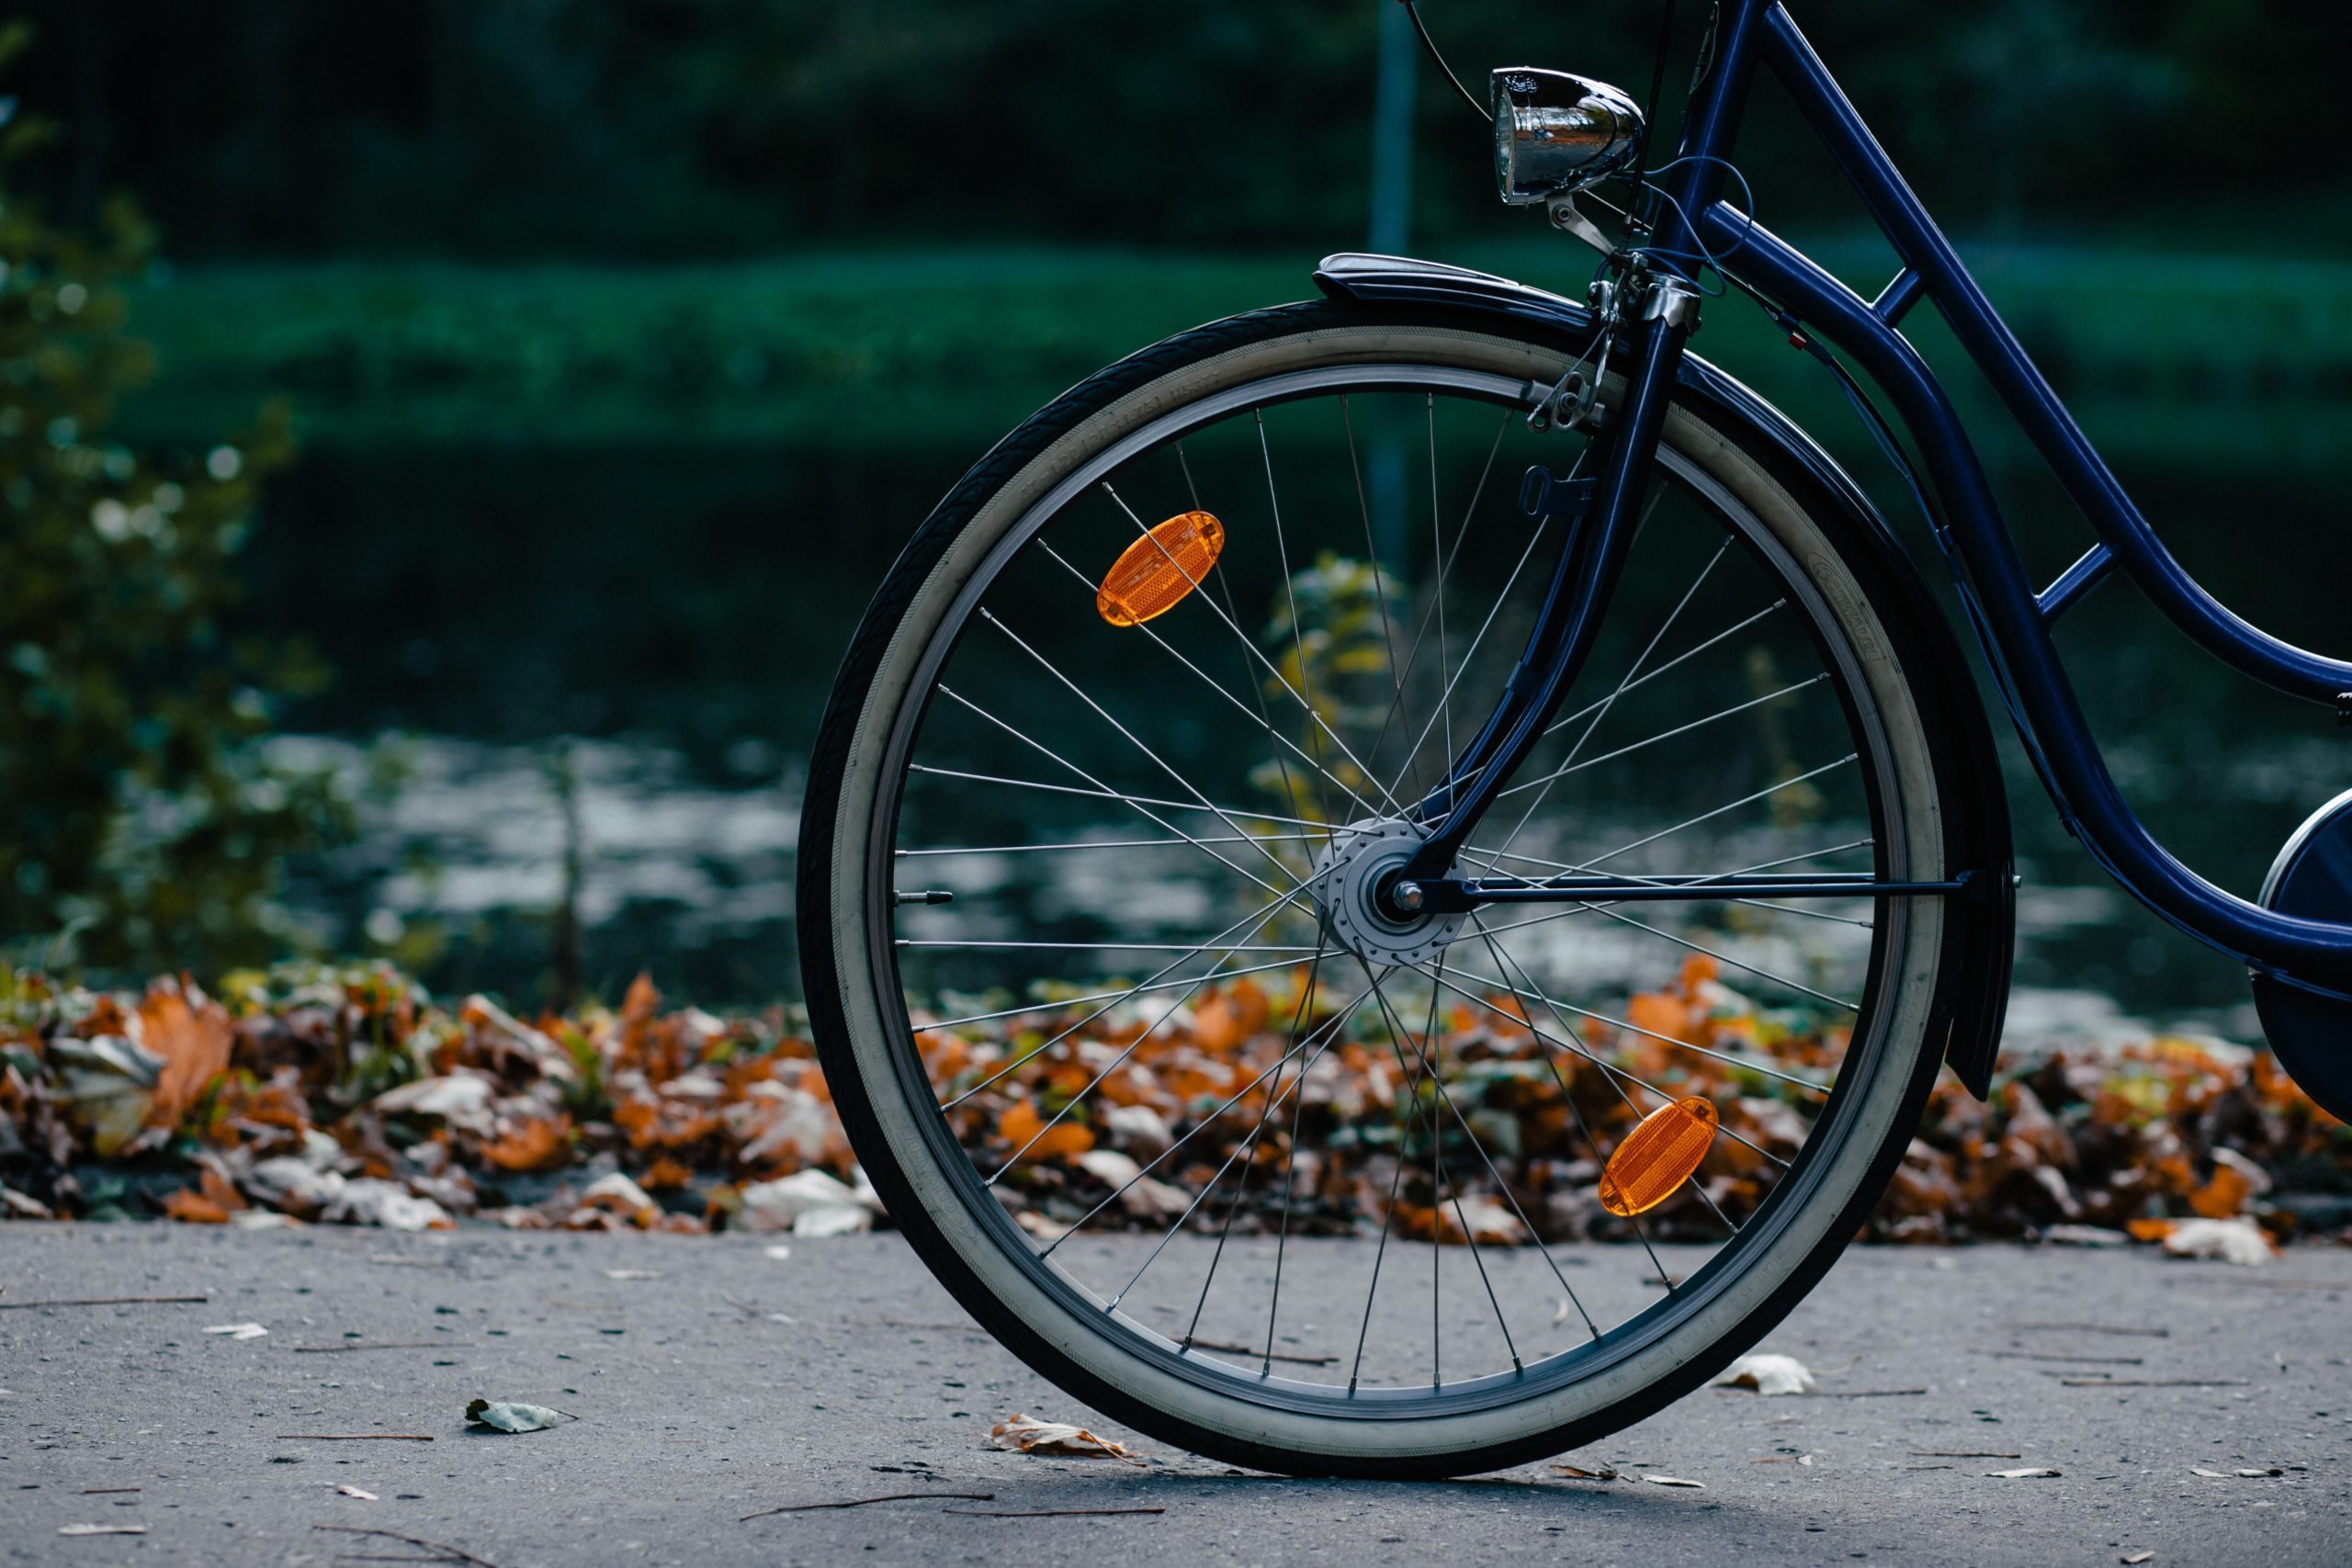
{"x": 1978, "y": 952}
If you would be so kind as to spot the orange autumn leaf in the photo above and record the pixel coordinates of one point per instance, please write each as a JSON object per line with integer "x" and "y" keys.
{"x": 1021, "y": 1123}
{"x": 1230, "y": 1016}
{"x": 540, "y": 1144}
{"x": 2223, "y": 1197}
{"x": 1657, "y": 1013}
{"x": 2151, "y": 1230}
{"x": 194, "y": 1208}
{"x": 1697, "y": 970}
{"x": 666, "y": 1175}
{"x": 193, "y": 1039}
{"x": 217, "y": 1191}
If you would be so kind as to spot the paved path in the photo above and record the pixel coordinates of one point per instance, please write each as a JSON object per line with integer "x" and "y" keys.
{"x": 701, "y": 1406}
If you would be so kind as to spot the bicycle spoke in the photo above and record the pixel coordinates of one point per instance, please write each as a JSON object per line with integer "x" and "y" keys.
{"x": 1093, "y": 946}
{"x": 1132, "y": 801}
{"x": 1290, "y": 598}
{"x": 1573, "y": 1047}
{"x": 1437, "y": 1201}
{"x": 936, "y": 1026}
{"x": 1111, "y": 844}
{"x": 1256, "y": 921}
{"x": 1313, "y": 716}
{"x": 1505, "y": 963}
{"x": 1265, "y": 723}
{"x": 1241, "y": 1189}
{"x": 1565, "y": 769}
{"x": 1370, "y": 551}
{"x": 1534, "y": 537}
{"x": 1689, "y": 653}
{"x": 1626, "y": 682}
{"x": 1420, "y": 633}
{"x": 1330, "y": 1030}
{"x": 1102, "y": 792}
{"x": 1502, "y": 1188}
{"x": 1164, "y": 765}
{"x": 1722, "y": 957}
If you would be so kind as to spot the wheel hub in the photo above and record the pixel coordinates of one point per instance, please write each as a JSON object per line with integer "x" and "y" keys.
{"x": 1347, "y": 882}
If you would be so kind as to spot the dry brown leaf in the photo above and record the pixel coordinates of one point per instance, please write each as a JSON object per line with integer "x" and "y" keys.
{"x": 1576, "y": 1472}
{"x": 194, "y": 1208}
{"x": 531, "y": 1143}
{"x": 1021, "y": 1124}
{"x": 193, "y": 1038}
{"x": 1056, "y": 1440}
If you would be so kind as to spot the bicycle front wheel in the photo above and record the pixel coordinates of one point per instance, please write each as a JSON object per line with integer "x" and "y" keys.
{"x": 1142, "y": 711}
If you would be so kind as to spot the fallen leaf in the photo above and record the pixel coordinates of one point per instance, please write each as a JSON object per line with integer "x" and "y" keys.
{"x": 1022, "y": 1127}
{"x": 102, "y": 1530}
{"x": 107, "y": 1086}
{"x": 632, "y": 1273}
{"x": 1056, "y": 1440}
{"x": 1767, "y": 1375}
{"x": 1574, "y": 1472}
{"x": 238, "y": 1330}
{"x": 190, "y": 1031}
{"x": 504, "y": 1416}
{"x": 617, "y": 1193}
{"x": 2238, "y": 1241}
{"x": 2029, "y": 1473}
{"x": 2085, "y": 1235}
{"x": 190, "y": 1207}
{"x": 355, "y": 1491}
{"x": 779, "y": 1252}
{"x": 387, "y": 1204}
{"x": 1674, "y": 1480}
{"x": 2130, "y": 1558}
{"x": 809, "y": 1204}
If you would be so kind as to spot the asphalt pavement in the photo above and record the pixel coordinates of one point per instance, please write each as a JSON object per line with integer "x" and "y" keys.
{"x": 713, "y": 1379}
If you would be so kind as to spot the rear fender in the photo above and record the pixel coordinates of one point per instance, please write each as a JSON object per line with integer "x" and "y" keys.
{"x": 1978, "y": 953}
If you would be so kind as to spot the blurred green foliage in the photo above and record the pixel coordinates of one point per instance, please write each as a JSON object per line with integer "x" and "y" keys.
{"x": 145, "y": 824}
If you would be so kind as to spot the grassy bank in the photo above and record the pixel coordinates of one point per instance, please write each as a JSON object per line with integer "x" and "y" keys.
{"x": 873, "y": 351}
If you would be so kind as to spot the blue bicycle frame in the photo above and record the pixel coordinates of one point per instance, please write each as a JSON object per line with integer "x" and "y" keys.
{"x": 2012, "y": 621}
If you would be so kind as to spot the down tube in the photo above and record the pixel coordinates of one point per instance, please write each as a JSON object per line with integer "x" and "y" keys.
{"x": 2308, "y": 949}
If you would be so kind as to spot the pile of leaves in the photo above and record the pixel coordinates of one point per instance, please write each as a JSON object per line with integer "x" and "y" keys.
{"x": 349, "y": 1095}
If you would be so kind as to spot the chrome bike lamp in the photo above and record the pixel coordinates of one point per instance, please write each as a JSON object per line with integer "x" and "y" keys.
{"x": 1556, "y": 132}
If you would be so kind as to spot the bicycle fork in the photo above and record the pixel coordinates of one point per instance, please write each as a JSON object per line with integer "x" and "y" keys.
{"x": 1599, "y": 535}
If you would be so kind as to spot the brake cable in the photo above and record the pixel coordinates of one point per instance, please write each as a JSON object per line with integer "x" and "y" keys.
{"x": 1430, "y": 44}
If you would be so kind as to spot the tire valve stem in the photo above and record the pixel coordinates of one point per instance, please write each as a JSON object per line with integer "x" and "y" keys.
{"x": 921, "y": 896}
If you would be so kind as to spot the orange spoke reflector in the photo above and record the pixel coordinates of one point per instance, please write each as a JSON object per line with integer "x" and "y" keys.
{"x": 1152, "y": 575}
{"x": 1658, "y": 1157}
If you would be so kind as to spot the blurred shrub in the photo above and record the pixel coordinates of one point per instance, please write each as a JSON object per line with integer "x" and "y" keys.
{"x": 145, "y": 824}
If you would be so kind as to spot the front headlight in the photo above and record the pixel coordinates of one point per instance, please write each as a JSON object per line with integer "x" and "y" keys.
{"x": 1556, "y": 132}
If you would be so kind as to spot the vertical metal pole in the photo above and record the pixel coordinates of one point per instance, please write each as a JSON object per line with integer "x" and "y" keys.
{"x": 1392, "y": 206}
{"x": 1392, "y": 133}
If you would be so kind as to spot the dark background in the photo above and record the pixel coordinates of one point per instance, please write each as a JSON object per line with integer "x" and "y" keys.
{"x": 666, "y": 130}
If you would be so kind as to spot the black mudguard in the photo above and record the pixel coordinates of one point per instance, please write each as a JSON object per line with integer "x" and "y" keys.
{"x": 1979, "y": 951}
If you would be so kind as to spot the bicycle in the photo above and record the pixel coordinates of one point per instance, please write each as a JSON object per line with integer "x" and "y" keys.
{"x": 1180, "y": 983}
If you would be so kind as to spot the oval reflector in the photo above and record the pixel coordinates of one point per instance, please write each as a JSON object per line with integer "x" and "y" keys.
{"x": 1152, "y": 575}
{"x": 1658, "y": 1157}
